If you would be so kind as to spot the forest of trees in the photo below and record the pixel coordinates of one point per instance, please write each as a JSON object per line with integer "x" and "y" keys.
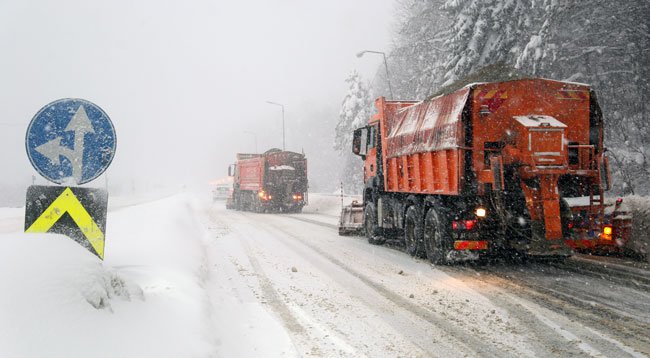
{"x": 605, "y": 44}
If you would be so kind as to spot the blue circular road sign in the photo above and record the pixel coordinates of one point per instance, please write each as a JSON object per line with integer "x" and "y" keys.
{"x": 70, "y": 141}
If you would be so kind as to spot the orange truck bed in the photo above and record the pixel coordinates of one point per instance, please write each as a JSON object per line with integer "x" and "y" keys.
{"x": 425, "y": 144}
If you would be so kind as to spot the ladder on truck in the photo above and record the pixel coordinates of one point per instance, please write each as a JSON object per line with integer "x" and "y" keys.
{"x": 586, "y": 159}
{"x": 596, "y": 207}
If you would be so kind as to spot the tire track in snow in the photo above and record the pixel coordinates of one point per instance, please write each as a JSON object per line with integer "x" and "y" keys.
{"x": 271, "y": 295}
{"x": 629, "y": 334}
{"x": 553, "y": 338}
{"x": 473, "y": 344}
{"x": 370, "y": 302}
{"x": 293, "y": 318}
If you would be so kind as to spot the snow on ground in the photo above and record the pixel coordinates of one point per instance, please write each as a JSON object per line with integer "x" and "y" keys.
{"x": 639, "y": 207}
{"x": 328, "y": 204}
{"x": 326, "y": 208}
{"x": 149, "y": 298}
{"x": 144, "y": 300}
{"x": 186, "y": 278}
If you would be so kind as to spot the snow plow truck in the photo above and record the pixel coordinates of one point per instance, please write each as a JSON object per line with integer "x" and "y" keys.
{"x": 275, "y": 180}
{"x": 482, "y": 170}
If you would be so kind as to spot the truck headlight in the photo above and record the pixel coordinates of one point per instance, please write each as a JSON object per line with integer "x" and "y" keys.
{"x": 481, "y": 212}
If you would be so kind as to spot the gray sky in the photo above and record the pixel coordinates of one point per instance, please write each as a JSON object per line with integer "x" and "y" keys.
{"x": 184, "y": 80}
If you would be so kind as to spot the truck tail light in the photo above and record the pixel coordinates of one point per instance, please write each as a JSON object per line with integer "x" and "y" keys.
{"x": 297, "y": 197}
{"x": 607, "y": 231}
{"x": 264, "y": 195}
{"x": 468, "y": 225}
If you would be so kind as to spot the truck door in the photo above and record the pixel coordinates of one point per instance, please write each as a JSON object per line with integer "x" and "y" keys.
{"x": 364, "y": 144}
{"x": 371, "y": 164}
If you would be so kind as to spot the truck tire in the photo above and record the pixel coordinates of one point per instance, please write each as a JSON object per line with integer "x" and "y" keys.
{"x": 437, "y": 240}
{"x": 294, "y": 209}
{"x": 413, "y": 231}
{"x": 257, "y": 207}
{"x": 370, "y": 224}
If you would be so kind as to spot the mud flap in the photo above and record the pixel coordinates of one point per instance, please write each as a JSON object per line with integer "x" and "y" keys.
{"x": 541, "y": 246}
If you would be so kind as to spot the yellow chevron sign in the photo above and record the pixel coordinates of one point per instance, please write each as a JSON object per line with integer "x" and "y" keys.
{"x": 80, "y": 216}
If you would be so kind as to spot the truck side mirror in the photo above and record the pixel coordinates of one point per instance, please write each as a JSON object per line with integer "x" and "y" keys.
{"x": 231, "y": 170}
{"x": 360, "y": 142}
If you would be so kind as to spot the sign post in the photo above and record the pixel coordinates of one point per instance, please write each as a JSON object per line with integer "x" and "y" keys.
{"x": 70, "y": 142}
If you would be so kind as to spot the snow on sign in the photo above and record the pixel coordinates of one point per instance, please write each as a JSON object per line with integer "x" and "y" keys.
{"x": 70, "y": 141}
{"x": 78, "y": 213}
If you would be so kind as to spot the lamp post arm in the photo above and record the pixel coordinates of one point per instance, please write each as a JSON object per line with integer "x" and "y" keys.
{"x": 390, "y": 88}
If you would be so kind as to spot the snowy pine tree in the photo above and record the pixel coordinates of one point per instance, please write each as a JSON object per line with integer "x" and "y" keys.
{"x": 417, "y": 56}
{"x": 602, "y": 43}
{"x": 355, "y": 112}
{"x": 485, "y": 32}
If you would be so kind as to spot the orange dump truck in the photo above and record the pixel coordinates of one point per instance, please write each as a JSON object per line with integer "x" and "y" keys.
{"x": 484, "y": 169}
{"x": 275, "y": 180}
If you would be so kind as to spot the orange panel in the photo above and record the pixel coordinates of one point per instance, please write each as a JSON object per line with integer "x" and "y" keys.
{"x": 417, "y": 186}
{"x": 427, "y": 169}
{"x": 403, "y": 183}
{"x": 495, "y": 104}
{"x": 432, "y": 172}
{"x": 470, "y": 245}
{"x": 393, "y": 184}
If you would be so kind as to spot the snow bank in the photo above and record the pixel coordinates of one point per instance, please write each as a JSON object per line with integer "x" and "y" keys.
{"x": 639, "y": 207}
{"x": 328, "y": 204}
{"x": 145, "y": 300}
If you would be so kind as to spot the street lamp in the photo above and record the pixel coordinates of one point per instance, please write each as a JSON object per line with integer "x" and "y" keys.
{"x": 281, "y": 105}
{"x": 254, "y": 138}
{"x": 390, "y": 89}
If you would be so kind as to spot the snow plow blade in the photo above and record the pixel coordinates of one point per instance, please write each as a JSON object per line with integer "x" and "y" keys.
{"x": 351, "y": 221}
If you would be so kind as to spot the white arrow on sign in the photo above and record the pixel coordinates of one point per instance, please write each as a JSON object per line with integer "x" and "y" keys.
{"x": 80, "y": 124}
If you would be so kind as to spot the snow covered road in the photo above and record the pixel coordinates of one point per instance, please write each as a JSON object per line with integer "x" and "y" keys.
{"x": 188, "y": 278}
{"x": 340, "y": 296}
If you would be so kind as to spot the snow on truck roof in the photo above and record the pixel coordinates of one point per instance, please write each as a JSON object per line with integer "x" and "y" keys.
{"x": 282, "y": 167}
{"x": 448, "y": 90}
{"x": 498, "y": 72}
{"x": 539, "y": 120}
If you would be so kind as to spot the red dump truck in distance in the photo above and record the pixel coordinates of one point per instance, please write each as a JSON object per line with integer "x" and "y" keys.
{"x": 483, "y": 169}
{"x": 273, "y": 181}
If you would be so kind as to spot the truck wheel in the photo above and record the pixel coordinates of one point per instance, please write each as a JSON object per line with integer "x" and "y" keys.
{"x": 370, "y": 224}
{"x": 257, "y": 208}
{"x": 437, "y": 241}
{"x": 237, "y": 202}
{"x": 566, "y": 217}
{"x": 413, "y": 227}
